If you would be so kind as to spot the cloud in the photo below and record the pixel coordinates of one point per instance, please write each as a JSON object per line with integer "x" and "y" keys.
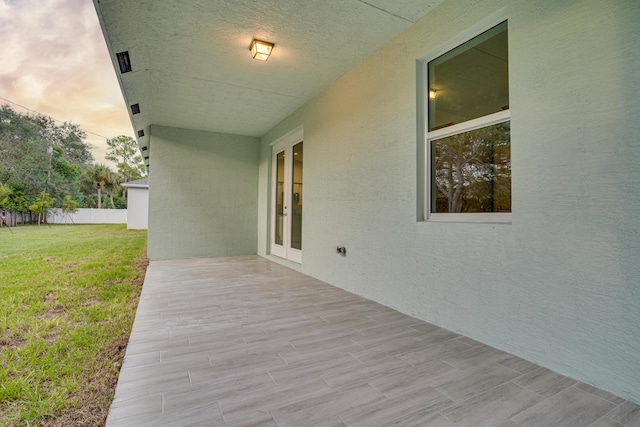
{"x": 55, "y": 61}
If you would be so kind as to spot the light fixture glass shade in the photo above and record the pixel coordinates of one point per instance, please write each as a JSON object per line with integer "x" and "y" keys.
{"x": 260, "y": 49}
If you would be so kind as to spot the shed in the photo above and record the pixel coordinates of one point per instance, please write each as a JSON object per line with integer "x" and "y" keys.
{"x": 138, "y": 204}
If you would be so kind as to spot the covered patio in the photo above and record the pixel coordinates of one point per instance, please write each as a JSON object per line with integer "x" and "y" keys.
{"x": 243, "y": 341}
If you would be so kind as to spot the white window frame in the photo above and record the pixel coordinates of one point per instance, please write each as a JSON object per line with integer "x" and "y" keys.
{"x": 428, "y": 137}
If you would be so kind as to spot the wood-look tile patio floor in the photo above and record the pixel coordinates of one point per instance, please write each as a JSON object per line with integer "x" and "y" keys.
{"x": 243, "y": 341}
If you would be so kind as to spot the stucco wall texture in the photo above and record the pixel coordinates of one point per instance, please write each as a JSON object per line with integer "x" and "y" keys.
{"x": 203, "y": 201}
{"x": 560, "y": 285}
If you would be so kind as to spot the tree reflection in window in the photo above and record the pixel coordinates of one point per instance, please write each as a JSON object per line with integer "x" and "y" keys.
{"x": 472, "y": 171}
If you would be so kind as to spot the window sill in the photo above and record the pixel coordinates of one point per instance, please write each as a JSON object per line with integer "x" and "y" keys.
{"x": 476, "y": 218}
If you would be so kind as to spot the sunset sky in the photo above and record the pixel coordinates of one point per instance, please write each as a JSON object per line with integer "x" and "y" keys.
{"x": 54, "y": 60}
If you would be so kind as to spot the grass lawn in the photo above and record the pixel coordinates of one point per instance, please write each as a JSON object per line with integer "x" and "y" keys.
{"x": 68, "y": 295}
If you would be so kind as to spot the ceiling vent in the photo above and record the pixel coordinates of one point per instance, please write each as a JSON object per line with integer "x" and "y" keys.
{"x": 140, "y": 133}
{"x": 135, "y": 109}
{"x": 124, "y": 62}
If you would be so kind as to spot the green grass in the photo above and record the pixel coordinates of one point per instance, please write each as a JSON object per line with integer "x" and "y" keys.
{"x": 68, "y": 296}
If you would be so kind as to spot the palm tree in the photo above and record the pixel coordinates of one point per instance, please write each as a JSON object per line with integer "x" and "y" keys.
{"x": 100, "y": 175}
{"x": 112, "y": 185}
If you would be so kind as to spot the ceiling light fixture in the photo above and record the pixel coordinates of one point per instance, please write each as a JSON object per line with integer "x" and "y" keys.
{"x": 260, "y": 49}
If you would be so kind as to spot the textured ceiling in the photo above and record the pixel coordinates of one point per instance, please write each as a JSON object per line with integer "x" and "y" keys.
{"x": 191, "y": 66}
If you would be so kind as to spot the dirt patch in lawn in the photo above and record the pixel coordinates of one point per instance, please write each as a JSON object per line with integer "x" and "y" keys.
{"x": 141, "y": 264}
{"x": 11, "y": 340}
{"x": 56, "y": 312}
{"x": 94, "y": 400}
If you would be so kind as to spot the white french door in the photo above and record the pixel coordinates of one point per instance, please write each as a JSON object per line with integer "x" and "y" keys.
{"x": 286, "y": 199}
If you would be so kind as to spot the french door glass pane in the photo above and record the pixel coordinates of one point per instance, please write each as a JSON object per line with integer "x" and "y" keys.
{"x": 296, "y": 197}
{"x": 471, "y": 171}
{"x": 279, "y": 199}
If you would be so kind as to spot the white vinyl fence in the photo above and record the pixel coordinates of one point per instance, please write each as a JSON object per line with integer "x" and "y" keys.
{"x": 88, "y": 216}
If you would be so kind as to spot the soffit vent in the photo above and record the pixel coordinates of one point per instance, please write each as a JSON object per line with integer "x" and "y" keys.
{"x": 140, "y": 133}
{"x": 135, "y": 109}
{"x": 144, "y": 148}
{"x": 124, "y": 62}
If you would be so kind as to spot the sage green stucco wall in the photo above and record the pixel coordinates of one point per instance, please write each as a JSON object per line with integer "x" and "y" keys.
{"x": 203, "y": 194}
{"x": 559, "y": 286}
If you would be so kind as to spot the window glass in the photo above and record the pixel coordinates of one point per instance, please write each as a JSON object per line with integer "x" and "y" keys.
{"x": 279, "y": 232}
{"x": 470, "y": 81}
{"x": 472, "y": 171}
{"x": 296, "y": 197}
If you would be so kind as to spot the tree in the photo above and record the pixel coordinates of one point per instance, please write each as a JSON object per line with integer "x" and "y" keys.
{"x": 69, "y": 137}
{"x": 63, "y": 167}
{"x": 18, "y": 201}
{"x": 123, "y": 151}
{"x": 37, "y": 154}
{"x": 5, "y": 192}
{"x": 69, "y": 206}
{"x": 23, "y": 152}
{"x": 99, "y": 174}
{"x": 472, "y": 171}
{"x": 112, "y": 185}
{"x": 41, "y": 206}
